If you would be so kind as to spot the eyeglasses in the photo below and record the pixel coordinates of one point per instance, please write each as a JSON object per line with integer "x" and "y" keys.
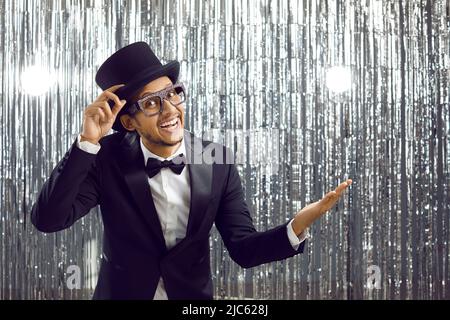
{"x": 152, "y": 104}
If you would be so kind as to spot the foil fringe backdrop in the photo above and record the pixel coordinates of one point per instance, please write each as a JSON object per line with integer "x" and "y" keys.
{"x": 255, "y": 72}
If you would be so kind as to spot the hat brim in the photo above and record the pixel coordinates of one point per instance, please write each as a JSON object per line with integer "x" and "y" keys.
{"x": 130, "y": 89}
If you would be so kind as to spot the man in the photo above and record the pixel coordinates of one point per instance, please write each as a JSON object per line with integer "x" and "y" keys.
{"x": 158, "y": 201}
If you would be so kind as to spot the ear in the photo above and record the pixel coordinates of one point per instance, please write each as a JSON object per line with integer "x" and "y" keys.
{"x": 127, "y": 122}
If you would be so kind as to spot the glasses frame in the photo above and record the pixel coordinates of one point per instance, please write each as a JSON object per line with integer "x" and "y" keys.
{"x": 162, "y": 95}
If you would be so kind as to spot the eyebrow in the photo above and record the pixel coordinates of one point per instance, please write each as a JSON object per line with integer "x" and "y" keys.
{"x": 151, "y": 92}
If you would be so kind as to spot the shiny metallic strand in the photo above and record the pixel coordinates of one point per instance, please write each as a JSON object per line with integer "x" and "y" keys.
{"x": 255, "y": 71}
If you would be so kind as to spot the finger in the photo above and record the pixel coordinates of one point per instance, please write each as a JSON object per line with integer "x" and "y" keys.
{"x": 115, "y": 87}
{"x": 106, "y": 109}
{"x": 96, "y": 110}
{"x": 341, "y": 187}
{"x": 329, "y": 197}
{"x": 92, "y": 109}
{"x": 117, "y": 107}
{"x": 102, "y": 115}
{"x": 329, "y": 201}
{"x": 112, "y": 96}
{"x": 103, "y": 96}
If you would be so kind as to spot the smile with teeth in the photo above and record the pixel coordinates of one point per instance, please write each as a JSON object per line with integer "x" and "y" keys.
{"x": 170, "y": 123}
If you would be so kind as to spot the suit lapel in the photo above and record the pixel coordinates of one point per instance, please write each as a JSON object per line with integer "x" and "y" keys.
{"x": 200, "y": 175}
{"x": 133, "y": 168}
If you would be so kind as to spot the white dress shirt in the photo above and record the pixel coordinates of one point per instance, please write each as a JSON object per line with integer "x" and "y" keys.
{"x": 171, "y": 195}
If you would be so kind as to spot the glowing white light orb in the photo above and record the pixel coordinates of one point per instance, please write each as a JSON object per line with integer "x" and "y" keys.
{"x": 36, "y": 80}
{"x": 339, "y": 79}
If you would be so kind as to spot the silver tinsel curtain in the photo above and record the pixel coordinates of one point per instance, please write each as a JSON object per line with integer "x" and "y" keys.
{"x": 256, "y": 73}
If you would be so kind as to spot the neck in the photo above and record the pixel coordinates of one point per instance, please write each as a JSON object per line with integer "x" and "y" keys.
{"x": 163, "y": 151}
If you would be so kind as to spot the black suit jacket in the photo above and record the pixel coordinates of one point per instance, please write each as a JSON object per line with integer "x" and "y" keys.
{"x": 134, "y": 250}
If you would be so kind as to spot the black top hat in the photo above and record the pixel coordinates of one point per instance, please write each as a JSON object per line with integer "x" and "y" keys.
{"x": 134, "y": 65}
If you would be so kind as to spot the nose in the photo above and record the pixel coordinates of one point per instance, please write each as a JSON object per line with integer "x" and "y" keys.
{"x": 167, "y": 107}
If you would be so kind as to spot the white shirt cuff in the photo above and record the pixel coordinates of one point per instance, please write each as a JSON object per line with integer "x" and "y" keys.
{"x": 87, "y": 146}
{"x": 293, "y": 238}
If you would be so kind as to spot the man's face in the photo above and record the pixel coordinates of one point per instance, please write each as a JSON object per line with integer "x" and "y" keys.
{"x": 154, "y": 128}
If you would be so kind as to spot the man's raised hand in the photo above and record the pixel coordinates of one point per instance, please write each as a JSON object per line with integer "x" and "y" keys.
{"x": 98, "y": 117}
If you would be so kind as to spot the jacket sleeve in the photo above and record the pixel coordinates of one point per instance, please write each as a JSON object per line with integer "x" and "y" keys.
{"x": 71, "y": 191}
{"x": 248, "y": 247}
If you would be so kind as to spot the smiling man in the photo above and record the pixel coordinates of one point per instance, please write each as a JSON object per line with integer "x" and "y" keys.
{"x": 158, "y": 205}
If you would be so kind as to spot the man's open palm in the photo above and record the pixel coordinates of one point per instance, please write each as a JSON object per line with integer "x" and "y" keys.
{"x": 306, "y": 216}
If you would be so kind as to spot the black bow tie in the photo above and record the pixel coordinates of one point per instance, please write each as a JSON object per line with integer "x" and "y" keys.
{"x": 176, "y": 165}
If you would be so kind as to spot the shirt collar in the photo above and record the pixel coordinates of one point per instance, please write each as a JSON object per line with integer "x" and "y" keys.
{"x": 148, "y": 154}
